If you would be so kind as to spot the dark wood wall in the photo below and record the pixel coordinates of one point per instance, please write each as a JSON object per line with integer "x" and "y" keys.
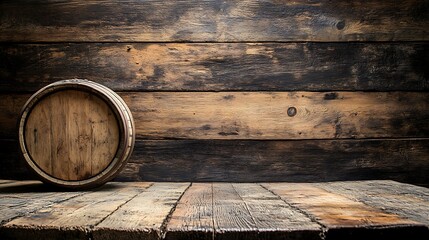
{"x": 236, "y": 90}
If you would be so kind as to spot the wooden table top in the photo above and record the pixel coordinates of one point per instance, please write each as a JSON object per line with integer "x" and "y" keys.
{"x": 163, "y": 210}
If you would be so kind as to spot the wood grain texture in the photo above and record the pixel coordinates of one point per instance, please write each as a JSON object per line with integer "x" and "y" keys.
{"x": 143, "y": 216}
{"x": 193, "y": 215}
{"x": 328, "y": 208}
{"x": 387, "y": 195}
{"x": 19, "y": 198}
{"x": 249, "y": 161}
{"x": 263, "y": 115}
{"x": 214, "y": 21}
{"x": 231, "y": 217}
{"x": 72, "y": 135}
{"x": 73, "y": 218}
{"x": 259, "y": 161}
{"x": 344, "y": 217}
{"x": 273, "y": 218}
{"x": 219, "y": 67}
{"x": 230, "y": 210}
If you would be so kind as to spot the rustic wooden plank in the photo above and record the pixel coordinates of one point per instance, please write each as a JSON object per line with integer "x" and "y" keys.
{"x": 143, "y": 216}
{"x": 403, "y": 160}
{"x": 19, "y": 198}
{"x": 219, "y": 67}
{"x": 250, "y": 161}
{"x": 274, "y": 218}
{"x": 265, "y": 115}
{"x": 214, "y": 21}
{"x": 328, "y": 208}
{"x": 73, "y": 218}
{"x": 193, "y": 215}
{"x": 231, "y": 217}
{"x": 400, "y": 199}
{"x": 344, "y": 217}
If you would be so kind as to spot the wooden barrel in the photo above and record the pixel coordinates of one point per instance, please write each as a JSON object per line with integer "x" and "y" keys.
{"x": 76, "y": 133}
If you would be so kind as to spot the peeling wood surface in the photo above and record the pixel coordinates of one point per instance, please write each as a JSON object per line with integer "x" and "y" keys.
{"x": 234, "y": 21}
{"x": 402, "y": 160}
{"x": 264, "y": 115}
{"x": 219, "y": 67}
{"x": 215, "y": 211}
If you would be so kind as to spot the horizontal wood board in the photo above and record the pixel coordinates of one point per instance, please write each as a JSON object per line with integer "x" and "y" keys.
{"x": 232, "y": 211}
{"x": 263, "y": 115}
{"x": 307, "y": 66}
{"x": 259, "y": 161}
{"x": 217, "y": 21}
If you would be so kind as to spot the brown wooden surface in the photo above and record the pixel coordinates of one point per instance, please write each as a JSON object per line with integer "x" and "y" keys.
{"x": 21, "y": 198}
{"x": 263, "y": 115}
{"x": 215, "y": 211}
{"x": 219, "y": 67}
{"x": 144, "y": 215}
{"x": 72, "y": 135}
{"x": 249, "y": 161}
{"x": 69, "y": 219}
{"x": 193, "y": 215}
{"x": 221, "y": 77}
{"x": 214, "y": 21}
{"x": 387, "y": 195}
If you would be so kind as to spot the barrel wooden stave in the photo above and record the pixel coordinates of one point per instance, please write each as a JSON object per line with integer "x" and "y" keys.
{"x": 76, "y": 133}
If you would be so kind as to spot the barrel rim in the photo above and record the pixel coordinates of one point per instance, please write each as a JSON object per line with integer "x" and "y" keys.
{"x": 124, "y": 121}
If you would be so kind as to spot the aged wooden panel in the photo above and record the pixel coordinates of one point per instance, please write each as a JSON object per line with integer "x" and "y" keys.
{"x": 342, "y": 215}
{"x": 143, "y": 216}
{"x": 219, "y": 67}
{"x": 20, "y": 198}
{"x": 214, "y": 21}
{"x": 387, "y": 196}
{"x": 193, "y": 215}
{"x": 232, "y": 211}
{"x": 265, "y": 115}
{"x": 274, "y": 218}
{"x": 249, "y": 161}
{"x": 328, "y": 208}
{"x": 231, "y": 217}
{"x": 73, "y": 218}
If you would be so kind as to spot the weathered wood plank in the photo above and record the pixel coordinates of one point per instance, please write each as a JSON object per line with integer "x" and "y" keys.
{"x": 344, "y": 217}
{"x": 73, "y": 218}
{"x": 329, "y": 208}
{"x": 303, "y": 161}
{"x": 213, "y": 21}
{"x": 193, "y": 215}
{"x": 265, "y": 115}
{"x": 387, "y": 195}
{"x": 403, "y": 160}
{"x": 231, "y": 218}
{"x": 219, "y": 67}
{"x": 274, "y": 219}
{"x": 143, "y": 216}
{"x": 18, "y": 198}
